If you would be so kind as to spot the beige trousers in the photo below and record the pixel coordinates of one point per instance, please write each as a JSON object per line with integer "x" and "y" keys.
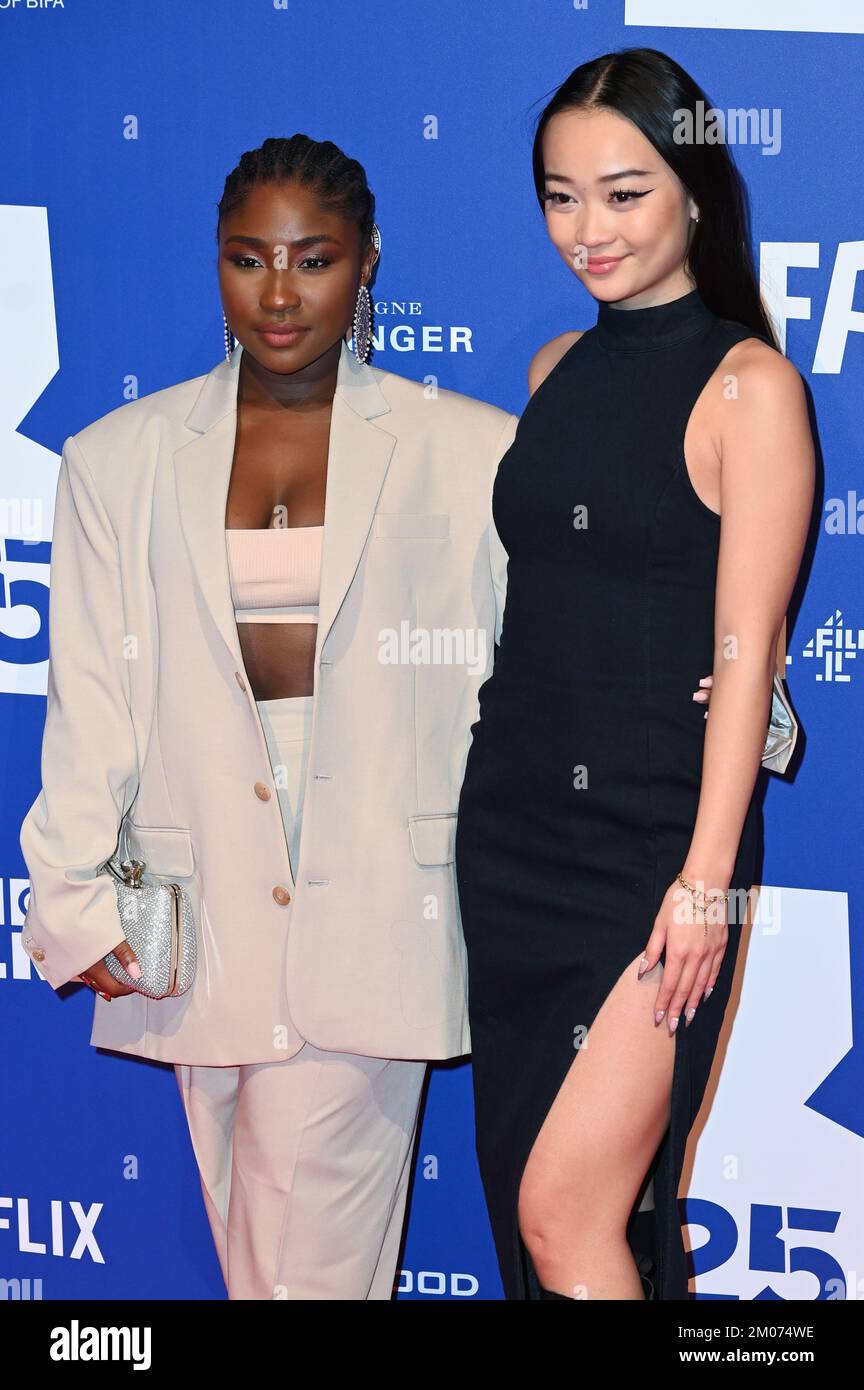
{"x": 305, "y": 1162}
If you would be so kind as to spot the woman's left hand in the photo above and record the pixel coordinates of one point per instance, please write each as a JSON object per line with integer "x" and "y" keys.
{"x": 693, "y": 956}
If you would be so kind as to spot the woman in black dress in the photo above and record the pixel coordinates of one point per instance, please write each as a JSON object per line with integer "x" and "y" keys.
{"x": 653, "y": 508}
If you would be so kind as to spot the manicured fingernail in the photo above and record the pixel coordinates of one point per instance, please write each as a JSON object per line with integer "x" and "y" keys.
{"x": 690, "y": 1013}
{"x": 642, "y": 967}
{"x": 705, "y": 680}
{"x": 658, "y": 1017}
{"x": 701, "y": 695}
{"x": 134, "y": 969}
{"x": 673, "y": 1024}
{"x": 708, "y": 991}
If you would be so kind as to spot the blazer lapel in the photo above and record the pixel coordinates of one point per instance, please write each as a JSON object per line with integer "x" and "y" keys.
{"x": 357, "y": 462}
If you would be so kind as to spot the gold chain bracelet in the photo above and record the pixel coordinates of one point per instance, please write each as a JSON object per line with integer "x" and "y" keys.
{"x": 703, "y": 905}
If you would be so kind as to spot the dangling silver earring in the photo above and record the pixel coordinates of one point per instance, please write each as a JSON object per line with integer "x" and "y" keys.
{"x": 230, "y": 342}
{"x": 362, "y": 329}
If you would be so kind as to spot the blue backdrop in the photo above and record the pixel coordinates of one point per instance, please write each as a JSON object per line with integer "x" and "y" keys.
{"x": 120, "y": 123}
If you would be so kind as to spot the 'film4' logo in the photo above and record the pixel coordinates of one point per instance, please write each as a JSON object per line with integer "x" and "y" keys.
{"x": 832, "y": 644}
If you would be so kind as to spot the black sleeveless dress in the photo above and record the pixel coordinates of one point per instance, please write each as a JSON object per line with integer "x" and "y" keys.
{"x": 607, "y": 629}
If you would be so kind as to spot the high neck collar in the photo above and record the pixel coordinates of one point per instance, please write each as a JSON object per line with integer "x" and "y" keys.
{"x": 657, "y": 326}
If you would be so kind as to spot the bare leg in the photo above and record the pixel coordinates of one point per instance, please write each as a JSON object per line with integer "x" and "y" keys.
{"x": 590, "y": 1158}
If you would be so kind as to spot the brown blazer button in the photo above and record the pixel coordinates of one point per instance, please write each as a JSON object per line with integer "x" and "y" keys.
{"x": 262, "y": 792}
{"x": 37, "y": 953}
{"x": 240, "y": 680}
{"x": 281, "y": 895}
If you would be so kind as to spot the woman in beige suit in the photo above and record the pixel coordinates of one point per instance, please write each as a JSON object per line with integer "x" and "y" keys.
{"x": 275, "y": 594}
{"x": 273, "y": 602}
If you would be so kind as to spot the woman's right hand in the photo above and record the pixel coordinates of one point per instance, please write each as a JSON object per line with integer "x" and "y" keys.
{"x": 703, "y": 694}
{"x": 99, "y": 977}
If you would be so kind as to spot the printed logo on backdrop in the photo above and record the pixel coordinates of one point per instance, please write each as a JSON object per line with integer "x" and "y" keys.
{"x": 839, "y": 320}
{"x": 32, "y": 5}
{"x": 28, "y": 472}
{"x": 833, "y": 645}
{"x": 774, "y": 1201}
{"x": 783, "y": 16}
{"x": 398, "y": 326}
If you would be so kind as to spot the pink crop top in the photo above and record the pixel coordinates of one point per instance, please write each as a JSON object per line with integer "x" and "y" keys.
{"x": 275, "y": 573}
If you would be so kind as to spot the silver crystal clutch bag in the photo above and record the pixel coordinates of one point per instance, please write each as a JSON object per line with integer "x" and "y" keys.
{"x": 159, "y": 924}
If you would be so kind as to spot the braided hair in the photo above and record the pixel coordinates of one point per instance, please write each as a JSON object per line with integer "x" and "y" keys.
{"x": 338, "y": 181}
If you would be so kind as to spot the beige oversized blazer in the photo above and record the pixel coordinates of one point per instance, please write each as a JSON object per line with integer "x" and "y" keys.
{"x": 150, "y": 711}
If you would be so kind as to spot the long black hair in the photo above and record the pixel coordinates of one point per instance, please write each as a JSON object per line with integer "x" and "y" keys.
{"x": 338, "y": 181}
{"x": 650, "y": 89}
